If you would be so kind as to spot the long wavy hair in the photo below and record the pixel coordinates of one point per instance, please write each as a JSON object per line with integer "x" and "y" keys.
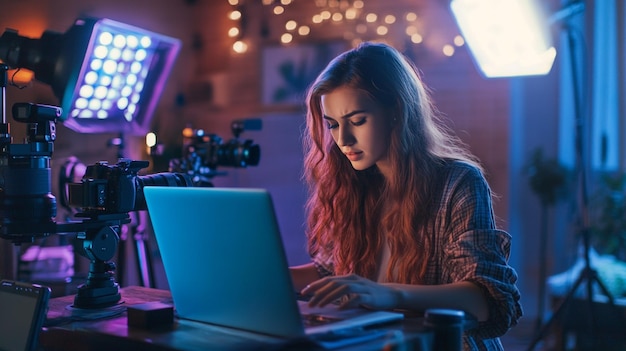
{"x": 348, "y": 210}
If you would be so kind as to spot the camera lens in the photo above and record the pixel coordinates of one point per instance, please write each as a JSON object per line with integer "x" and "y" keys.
{"x": 26, "y": 198}
{"x": 236, "y": 154}
{"x": 158, "y": 179}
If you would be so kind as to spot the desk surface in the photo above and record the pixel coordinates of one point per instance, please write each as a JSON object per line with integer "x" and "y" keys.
{"x": 69, "y": 329}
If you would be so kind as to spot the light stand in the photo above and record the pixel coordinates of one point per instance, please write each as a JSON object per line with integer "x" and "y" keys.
{"x": 588, "y": 274}
{"x": 547, "y": 179}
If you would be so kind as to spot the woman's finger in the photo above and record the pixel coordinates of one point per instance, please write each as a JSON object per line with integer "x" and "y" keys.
{"x": 330, "y": 293}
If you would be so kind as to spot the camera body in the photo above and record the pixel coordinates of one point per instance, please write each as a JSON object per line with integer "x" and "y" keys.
{"x": 107, "y": 188}
{"x": 113, "y": 189}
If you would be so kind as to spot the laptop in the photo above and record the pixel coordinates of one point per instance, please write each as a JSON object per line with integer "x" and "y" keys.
{"x": 225, "y": 264}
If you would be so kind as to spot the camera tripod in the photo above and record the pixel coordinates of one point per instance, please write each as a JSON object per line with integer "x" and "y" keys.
{"x": 588, "y": 275}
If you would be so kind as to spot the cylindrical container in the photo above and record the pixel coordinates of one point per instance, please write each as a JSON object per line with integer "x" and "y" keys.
{"x": 447, "y": 328}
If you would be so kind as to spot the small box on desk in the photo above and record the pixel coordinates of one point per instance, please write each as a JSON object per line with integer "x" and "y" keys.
{"x": 150, "y": 315}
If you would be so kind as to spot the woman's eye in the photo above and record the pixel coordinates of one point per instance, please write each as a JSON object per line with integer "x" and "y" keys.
{"x": 332, "y": 125}
{"x": 358, "y": 122}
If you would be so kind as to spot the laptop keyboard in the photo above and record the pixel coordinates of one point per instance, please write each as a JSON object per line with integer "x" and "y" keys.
{"x": 312, "y": 319}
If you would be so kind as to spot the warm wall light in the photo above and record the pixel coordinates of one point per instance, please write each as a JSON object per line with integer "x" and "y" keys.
{"x": 240, "y": 47}
{"x": 107, "y": 75}
{"x": 291, "y": 25}
{"x": 235, "y": 15}
{"x": 304, "y": 30}
{"x": 279, "y": 10}
{"x": 286, "y": 38}
{"x": 349, "y": 17}
{"x": 506, "y": 37}
{"x": 233, "y": 32}
{"x": 417, "y": 38}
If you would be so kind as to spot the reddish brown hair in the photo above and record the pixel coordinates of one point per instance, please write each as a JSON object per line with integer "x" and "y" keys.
{"x": 347, "y": 209}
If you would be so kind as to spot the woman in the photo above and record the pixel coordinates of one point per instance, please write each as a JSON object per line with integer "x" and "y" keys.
{"x": 399, "y": 213}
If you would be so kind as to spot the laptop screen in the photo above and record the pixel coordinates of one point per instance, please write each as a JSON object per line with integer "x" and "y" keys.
{"x": 224, "y": 259}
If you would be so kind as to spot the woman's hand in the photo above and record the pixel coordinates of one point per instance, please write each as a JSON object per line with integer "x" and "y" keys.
{"x": 352, "y": 290}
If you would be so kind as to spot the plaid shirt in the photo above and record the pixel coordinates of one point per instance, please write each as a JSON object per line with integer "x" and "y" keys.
{"x": 468, "y": 247}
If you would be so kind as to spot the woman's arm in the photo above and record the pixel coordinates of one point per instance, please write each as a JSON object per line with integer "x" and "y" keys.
{"x": 465, "y": 296}
{"x": 303, "y": 275}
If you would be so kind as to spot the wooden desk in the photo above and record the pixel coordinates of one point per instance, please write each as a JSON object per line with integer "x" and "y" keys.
{"x": 67, "y": 330}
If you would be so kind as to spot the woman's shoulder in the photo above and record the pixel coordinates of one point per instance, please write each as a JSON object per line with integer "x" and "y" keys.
{"x": 461, "y": 175}
{"x": 460, "y": 169}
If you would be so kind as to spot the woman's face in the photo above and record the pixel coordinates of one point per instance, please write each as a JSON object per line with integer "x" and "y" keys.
{"x": 359, "y": 127}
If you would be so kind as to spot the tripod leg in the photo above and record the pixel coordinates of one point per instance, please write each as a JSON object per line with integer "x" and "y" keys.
{"x": 620, "y": 318}
{"x": 592, "y": 323}
{"x": 143, "y": 261}
{"x": 546, "y": 327}
{"x": 603, "y": 287}
{"x": 142, "y": 251}
{"x": 542, "y": 266}
{"x": 121, "y": 255}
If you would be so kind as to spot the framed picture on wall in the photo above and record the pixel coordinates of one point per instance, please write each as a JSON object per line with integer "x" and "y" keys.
{"x": 289, "y": 70}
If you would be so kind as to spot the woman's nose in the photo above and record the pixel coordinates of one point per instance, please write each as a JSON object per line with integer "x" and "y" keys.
{"x": 345, "y": 137}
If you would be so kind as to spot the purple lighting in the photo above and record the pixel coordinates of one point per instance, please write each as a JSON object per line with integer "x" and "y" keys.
{"x": 107, "y": 75}
{"x": 121, "y": 77}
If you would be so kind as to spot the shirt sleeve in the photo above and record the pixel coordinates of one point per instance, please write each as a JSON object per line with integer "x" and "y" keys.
{"x": 323, "y": 262}
{"x": 476, "y": 251}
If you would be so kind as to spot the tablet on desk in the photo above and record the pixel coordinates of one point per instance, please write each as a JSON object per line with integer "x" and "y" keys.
{"x": 22, "y": 313}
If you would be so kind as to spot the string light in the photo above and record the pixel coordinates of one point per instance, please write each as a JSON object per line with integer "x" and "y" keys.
{"x": 304, "y": 30}
{"x": 235, "y": 15}
{"x": 279, "y": 10}
{"x": 286, "y": 38}
{"x": 459, "y": 41}
{"x": 417, "y": 38}
{"x": 291, "y": 25}
{"x": 240, "y": 47}
{"x": 351, "y": 13}
{"x": 233, "y": 32}
{"x": 367, "y": 25}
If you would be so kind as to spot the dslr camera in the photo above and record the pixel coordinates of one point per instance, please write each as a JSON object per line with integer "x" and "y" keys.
{"x": 111, "y": 189}
{"x": 202, "y": 153}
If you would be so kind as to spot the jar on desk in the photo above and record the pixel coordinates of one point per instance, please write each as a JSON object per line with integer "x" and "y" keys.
{"x": 447, "y": 328}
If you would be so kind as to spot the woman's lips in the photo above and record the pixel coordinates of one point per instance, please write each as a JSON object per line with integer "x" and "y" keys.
{"x": 354, "y": 155}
